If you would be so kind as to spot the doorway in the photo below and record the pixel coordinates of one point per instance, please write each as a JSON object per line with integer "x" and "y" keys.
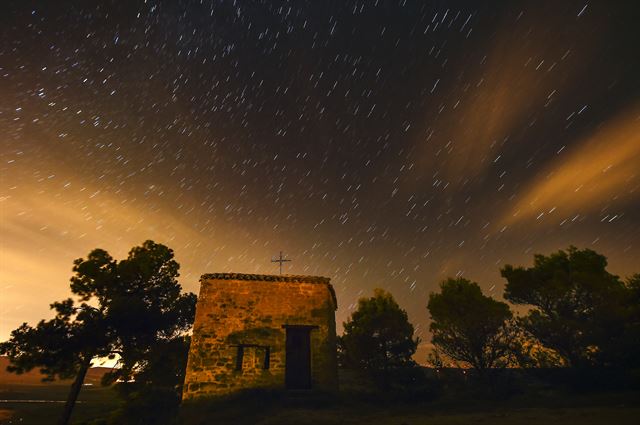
{"x": 298, "y": 358}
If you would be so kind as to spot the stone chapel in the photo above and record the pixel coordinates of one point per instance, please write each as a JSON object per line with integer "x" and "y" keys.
{"x": 262, "y": 331}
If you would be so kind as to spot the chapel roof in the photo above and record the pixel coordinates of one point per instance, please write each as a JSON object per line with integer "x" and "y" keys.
{"x": 273, "y": 278}
{"x": 266, "y": 277}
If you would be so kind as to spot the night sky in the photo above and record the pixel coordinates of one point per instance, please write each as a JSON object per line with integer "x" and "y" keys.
{"x": 381, "y": 144}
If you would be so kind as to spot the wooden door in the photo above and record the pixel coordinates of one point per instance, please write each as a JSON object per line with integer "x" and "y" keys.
{"x": 298, "y": 359}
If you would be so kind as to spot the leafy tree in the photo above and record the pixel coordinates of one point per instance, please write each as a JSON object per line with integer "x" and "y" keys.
{"x": 633, "y": 285}
{"x": 125, "y": 308}
{"x": 470, "y": 327}
{"x": 62, "y": 347}
{"x": 378, "y": 339}
{"x": 154, "y": 396}
{"x": 529, "y": 353}
{"x": 579, "y": 308}
{"x": 437, "y": 361}
{"x": 620, "y": 339}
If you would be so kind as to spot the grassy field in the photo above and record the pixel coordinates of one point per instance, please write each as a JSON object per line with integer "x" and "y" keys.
{"x": 94, "y": 402}
{"x": 552, "y": 409}
{"x": 457, "y": 406}
{"x": 614, "y": 408}
{"x": 500, "y": 416}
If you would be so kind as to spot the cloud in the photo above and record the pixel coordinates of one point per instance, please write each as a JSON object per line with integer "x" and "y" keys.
{"x": 505, "y": 86}
{"x": 43, "y": 231}
{"x": 601, "y": 170}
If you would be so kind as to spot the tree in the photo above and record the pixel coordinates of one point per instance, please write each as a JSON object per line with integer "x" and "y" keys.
{"x": 154, "y": 396}
{"x": 470, "y": 327}
{"x": 579, "y": 308}
{"x": 629, "y": 349}
{"x": 62, "y": 347}
{"x": 530, "y": 353}
{"x": 124, "y": 308}
{"x": 378, "y": 339}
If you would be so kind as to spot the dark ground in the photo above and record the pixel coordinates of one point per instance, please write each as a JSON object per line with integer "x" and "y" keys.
{"x": 531, "y": 401}
{"x": 550, "y": 409}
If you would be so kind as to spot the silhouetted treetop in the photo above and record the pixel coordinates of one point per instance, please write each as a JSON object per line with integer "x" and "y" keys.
{"x": 579, "y": 309}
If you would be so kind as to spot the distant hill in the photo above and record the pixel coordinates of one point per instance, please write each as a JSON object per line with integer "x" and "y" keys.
{"x": 94, "y": 375}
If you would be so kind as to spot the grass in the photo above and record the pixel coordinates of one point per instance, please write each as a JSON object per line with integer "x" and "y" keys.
{"x": 551, "y": 409}
{"x": 503, "y": 416}
{"x": 455, "y": 406}
{"x": 94, "y": 402}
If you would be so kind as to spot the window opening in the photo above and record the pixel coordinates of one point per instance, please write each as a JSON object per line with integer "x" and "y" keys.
{"x": 239, "y": 357}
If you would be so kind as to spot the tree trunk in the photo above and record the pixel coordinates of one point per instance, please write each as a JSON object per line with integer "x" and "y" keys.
{"x": 75, "y": 390}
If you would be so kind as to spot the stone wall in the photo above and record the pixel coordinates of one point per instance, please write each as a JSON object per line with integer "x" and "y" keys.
{"x": 251, "y": 310}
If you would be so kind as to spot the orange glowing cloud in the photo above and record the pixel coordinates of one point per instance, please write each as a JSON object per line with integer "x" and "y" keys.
{"x": 46, "y": 223}
{"x": 499, "y": 96}
{"x": 604, "y": 169}
{"x": 44, "y": 231}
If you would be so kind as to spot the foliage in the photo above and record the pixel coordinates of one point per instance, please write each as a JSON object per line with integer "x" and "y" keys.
{"x": 378, "y": 339}
{"x": 470, "y": 327}
{"x": 530, "y": 353}
{"x": 57, "y": 346}
{"x": 580, "y": 310}
{"x": 123, "y": 308}
{"x": 154, "y": 396}
{"x": 140, "y": 299}
{"x": 435, "y": 359}
{"x": 625, "y": 349}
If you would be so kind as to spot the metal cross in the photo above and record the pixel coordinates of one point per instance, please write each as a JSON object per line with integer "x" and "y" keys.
{"x": 280, "y": 260}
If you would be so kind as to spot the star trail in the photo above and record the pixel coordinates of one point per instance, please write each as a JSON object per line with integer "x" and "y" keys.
{"x": 381, "y": 144}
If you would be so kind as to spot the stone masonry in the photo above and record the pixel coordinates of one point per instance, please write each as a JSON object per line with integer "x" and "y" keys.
{"x": 246, "y": 325}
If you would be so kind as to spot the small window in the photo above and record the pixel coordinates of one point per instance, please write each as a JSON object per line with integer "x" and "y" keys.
{"x": 259, "y": 356}
{"x": 267, "y": 359}
{"x": 239, "y": 357}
